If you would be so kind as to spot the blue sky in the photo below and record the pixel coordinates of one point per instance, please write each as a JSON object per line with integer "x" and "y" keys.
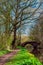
{"x": 27, "y": 27}
{"x": 27, "y": 30}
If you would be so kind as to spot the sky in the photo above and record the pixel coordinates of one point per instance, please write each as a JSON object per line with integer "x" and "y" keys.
{"x": 28, "y": 26}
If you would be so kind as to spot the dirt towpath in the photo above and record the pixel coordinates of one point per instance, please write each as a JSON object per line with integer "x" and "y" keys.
{"x": 6, "y": 57}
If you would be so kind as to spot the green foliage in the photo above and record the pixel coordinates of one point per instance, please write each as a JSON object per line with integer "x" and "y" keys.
{"x": 9, "y": 40}
{"x": 20, "y": 47}
{"x": 2, "y": 52}
{"x": 5, "y": 42}
{"x": 23, "y": 58}
{"x": 42, "y": 63}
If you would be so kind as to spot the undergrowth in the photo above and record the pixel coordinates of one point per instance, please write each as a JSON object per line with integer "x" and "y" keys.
{"x": 23, "y": 57}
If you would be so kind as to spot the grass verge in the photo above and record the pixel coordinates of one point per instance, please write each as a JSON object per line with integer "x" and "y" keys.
{"x": 2, "y": 52}
{"x": 23, "y": 58}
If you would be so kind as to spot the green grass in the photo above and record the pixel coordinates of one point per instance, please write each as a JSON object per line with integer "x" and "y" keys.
{"x": 23, "y": 58}
{"x": 2, "y": 52}
{"x": 42, "y": 63}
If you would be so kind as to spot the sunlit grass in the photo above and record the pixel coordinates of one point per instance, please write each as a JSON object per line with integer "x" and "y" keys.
{"x": 23, "y": 58}
{"x": 3, "y": 52}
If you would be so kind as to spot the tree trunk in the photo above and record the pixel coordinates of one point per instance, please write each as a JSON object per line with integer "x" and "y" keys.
{"x": 19, "y": 37}
{"x": 14, "y": 39}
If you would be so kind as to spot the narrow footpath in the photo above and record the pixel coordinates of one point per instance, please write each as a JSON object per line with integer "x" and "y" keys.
{"x": 5, "y": 58}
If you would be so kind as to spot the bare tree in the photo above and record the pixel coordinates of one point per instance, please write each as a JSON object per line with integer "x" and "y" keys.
{"x": 15, "y": 13}
{"x": 37, "y": 31}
